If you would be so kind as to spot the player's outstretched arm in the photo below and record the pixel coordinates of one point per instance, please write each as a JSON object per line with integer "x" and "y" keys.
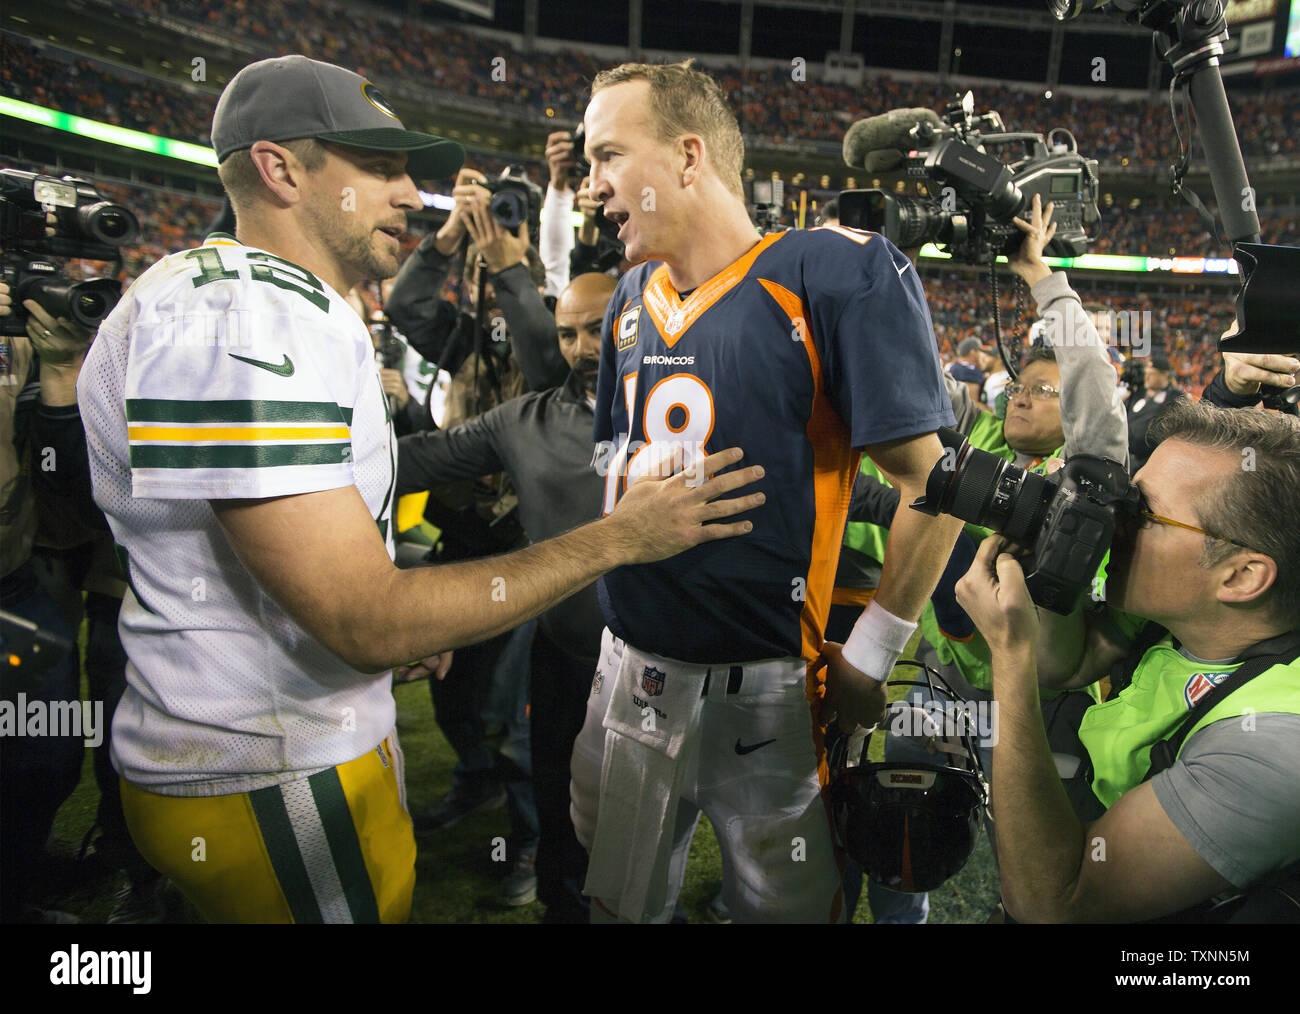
{"x": 320, "y": 557}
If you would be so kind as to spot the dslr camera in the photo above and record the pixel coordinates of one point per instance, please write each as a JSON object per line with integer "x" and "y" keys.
{"x": 87, "y": 225}
{"x": 578, "y": 172}
{"x": 984, "y": 177}
{"x": 1065, "y": 521}
{"x": 516, "y": 199}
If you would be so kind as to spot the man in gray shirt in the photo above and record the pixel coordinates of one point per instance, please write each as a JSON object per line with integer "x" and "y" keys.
{"x": 1213, "y": 559}
{"x": 542, "y": 440}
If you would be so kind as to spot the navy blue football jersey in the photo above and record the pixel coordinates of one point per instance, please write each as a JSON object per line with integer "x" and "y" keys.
{"x": 809, "y": 348}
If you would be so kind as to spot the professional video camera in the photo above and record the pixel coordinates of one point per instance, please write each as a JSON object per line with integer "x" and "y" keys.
{"x": 1066, "y": 521}
{"x": 86, "y": 225}
{"x": 769, "y": 202}
{"x": 516, "y": 199}
{"x": 979, "y": 177}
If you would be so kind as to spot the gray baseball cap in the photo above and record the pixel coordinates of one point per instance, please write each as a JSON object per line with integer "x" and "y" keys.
{"x": 290, "y": 97}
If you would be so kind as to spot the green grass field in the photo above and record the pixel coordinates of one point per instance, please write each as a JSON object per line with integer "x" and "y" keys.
{"x": 456, "y": 879}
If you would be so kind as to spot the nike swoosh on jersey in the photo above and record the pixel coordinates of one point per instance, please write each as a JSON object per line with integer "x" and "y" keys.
{"x": 742, "y": 750}
{"x": 284, "y": 369}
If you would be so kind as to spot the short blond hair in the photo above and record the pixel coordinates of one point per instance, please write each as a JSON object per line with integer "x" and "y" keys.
{"x": 242, "y": 181}
{"x": 686, "y": 101}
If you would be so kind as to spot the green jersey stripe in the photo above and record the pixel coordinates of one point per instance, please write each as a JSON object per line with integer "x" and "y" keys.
{"x": 238, "y": 456}
{"x": 169, "y": 410}
{"x": 345, "y": 846}
{"x": 286, "y": 859}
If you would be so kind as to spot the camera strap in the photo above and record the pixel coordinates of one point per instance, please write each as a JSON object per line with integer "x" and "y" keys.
{"x": 1178, "y": 170}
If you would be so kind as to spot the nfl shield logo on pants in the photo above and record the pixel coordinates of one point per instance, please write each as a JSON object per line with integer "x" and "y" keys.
{"x": 652, "y": 681}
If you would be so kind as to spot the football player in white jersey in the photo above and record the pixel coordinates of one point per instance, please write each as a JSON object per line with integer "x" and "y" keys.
{"x": 241, "y": 447}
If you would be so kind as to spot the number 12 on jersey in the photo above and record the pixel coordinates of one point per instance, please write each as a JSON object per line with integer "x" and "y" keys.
{"x": 678, "y": 412}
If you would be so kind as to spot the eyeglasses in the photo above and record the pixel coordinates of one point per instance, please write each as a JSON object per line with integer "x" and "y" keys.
{"x": 1191, "y": 528}
{"x": 1039, "y": 392}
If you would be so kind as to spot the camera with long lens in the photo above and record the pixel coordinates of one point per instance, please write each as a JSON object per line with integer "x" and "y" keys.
{"x": 1065, "y": 521}
{"x": 769, "y": 202}
{"x": 515, "y": 200}
{"x": 980, "y": 177}
{"x": 86, "y": 225}
{"x": 581, "y": 168}
{"x": 578, "y": 172}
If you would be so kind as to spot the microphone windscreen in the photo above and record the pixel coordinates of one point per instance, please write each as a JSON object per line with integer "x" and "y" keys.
{"x": 888, "y": 131}
{"x": 882, "y": 160}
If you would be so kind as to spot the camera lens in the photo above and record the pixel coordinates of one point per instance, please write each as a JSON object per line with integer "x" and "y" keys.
{"x": 509, "y": 209}
{"x": 91, "y": 305}
{"x": 107, "y": 223}
{"x": 987, "y": 490}
{"x": 87, "y": 302}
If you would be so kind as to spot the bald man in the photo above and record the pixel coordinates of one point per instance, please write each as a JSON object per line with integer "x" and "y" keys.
{"x": 543, "y": 442}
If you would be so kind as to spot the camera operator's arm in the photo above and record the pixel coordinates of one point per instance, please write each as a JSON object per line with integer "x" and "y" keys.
{"x": 1132, "y": 864}
{"x": 57, "y": 437}
{"x": 1237, "y": 385}
{"x": 1092, "y": 410}
{"x": 415, "y": 305}
{"x": 530, "y": 324}
{"x": 555, "y": 230}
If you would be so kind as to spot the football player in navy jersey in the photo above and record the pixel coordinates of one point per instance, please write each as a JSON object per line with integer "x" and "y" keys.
{"x": 807, "y": 348}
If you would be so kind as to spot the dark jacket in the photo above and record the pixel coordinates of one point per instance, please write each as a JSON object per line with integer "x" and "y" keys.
{"x": 444, "y": 335}
{"x": 542, "y": 441}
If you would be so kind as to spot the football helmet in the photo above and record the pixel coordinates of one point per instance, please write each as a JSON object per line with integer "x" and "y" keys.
{"x": 911, "y": 826}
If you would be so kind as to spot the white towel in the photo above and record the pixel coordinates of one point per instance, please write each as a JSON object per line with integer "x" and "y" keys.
{"x": 652, "y": 717}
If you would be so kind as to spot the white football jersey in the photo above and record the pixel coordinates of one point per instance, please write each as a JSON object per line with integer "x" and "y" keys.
{"x": 226, "y": 372}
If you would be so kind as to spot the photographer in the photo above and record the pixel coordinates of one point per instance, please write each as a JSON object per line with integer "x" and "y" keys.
{"x": 39, "y": 425}
{"x": 445, "y": 335}
{"x": 1064, "y": 401}
{"x": 592, "y": 251}
{"x": 555, "y": 230}
{"x": 1214, "y": 561}
{"x": 406, "y": 375}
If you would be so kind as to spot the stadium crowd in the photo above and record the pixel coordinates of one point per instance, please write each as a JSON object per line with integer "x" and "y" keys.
{"x": 772, "y": 107}
{"x": 90, "y": 89}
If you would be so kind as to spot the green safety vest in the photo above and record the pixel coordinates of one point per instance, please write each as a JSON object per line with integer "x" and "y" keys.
{"x": 1119, "y": 734}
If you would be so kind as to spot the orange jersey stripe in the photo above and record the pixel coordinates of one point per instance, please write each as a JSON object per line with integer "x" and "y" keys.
{"x": 663, "y": 303}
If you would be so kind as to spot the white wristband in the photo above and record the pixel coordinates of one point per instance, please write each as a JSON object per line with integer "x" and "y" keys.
{"x": 878, "y": 638}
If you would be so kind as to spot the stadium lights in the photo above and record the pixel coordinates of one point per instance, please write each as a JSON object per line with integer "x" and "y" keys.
{"x": 108, "y": 133}
{"x": 1120, "y": 262}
